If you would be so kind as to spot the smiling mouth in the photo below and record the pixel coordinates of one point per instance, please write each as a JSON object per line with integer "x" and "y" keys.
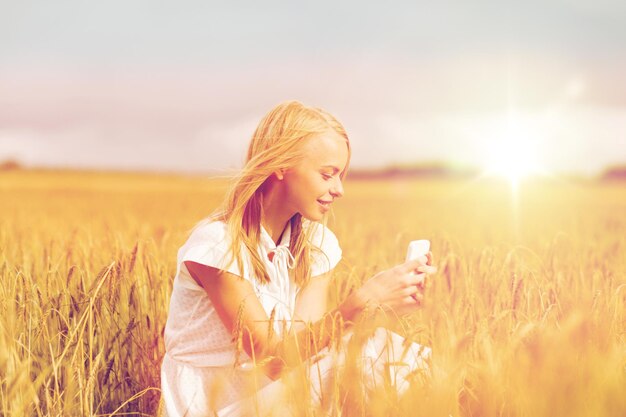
{"x": 324, "y": 203}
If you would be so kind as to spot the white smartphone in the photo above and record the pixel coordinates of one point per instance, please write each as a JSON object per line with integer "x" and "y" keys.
{"x": 417, "y": 248}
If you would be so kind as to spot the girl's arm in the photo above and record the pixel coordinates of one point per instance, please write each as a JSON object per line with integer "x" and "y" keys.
{"x": 312, "y": 299}
{"x": 236, "y": 304}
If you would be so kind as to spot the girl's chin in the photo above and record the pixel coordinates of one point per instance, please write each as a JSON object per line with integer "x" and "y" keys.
{"x": 315, "y": 217}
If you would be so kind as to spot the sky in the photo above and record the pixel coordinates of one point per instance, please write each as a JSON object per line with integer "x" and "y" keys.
{"x": 181, "y": 86}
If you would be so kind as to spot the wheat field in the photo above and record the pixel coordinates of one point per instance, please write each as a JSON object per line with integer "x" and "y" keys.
{"x": 526, "y": 315}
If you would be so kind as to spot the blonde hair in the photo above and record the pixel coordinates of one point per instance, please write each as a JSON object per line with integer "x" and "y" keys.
{"x": 276, "y": 144}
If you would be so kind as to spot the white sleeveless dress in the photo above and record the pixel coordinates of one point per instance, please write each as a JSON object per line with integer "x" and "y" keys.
{"x": 203, "y": 375}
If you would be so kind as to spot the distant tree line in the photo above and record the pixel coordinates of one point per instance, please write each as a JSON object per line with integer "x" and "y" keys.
{"x": 428, "y": 170}
{"x": 433, "y": 170}
{"x": 9, "y": 165}
{"x": 615, "y": 173}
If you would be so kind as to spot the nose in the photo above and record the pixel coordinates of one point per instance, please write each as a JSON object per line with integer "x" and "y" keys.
{"x": 337, "y": 190}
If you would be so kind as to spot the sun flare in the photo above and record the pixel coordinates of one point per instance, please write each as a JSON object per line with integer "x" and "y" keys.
{"x": 511, "y": 159}
{"x": 513, "y": 153}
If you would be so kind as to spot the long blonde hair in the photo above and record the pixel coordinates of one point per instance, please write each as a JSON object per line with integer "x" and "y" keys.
{"x": 276, "y": 144}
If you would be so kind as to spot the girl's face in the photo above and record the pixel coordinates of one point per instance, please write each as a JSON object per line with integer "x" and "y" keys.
{"x": 314, "y": 184}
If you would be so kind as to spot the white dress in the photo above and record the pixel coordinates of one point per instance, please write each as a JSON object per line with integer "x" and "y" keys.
{"x": 203, "y": 375}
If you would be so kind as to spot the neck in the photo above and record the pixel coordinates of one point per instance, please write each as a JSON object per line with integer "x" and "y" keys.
{"x": 275, "y": 214}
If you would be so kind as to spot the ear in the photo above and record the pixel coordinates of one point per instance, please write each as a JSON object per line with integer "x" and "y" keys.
{"x": 280, "y": 174}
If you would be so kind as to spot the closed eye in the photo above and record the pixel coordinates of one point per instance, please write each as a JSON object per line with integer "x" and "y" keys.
{"x": 326, "y": 176}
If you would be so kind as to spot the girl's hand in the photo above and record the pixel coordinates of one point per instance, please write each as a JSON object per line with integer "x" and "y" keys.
{"x": 399, "y": 290}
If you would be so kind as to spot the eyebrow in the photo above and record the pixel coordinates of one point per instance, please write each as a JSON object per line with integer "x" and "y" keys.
{"x": 335, "y": 169}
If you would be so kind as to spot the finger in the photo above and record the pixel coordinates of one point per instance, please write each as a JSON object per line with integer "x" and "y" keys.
{"x": 414, "y": 289}
{"x": 420, "y": 289}
{"x": 411, "y": 265}
{"x": 412, "y": 300}
{"x": 408, "y": 291}
{"x": 427, "y": 269}
{"x": 429, "y": 255}
{"x": 415, "y": 279}
{"x": 419, "y": 298}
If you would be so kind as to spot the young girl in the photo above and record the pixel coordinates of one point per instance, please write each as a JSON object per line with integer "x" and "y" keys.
{"x": 249, "y": 303}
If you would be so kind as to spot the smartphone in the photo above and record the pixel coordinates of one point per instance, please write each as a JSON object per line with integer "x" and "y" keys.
{"x": 417, "y": 248}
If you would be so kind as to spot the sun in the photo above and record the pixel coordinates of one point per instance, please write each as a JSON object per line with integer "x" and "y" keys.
{"x": 511, "y": 158}
{"x": 513, "y": 152}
